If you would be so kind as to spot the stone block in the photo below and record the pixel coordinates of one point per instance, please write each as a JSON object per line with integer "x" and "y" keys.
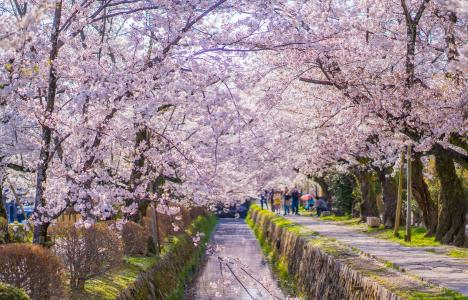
{"x": 373, "y": 221}
{"x": 326, "y": 213}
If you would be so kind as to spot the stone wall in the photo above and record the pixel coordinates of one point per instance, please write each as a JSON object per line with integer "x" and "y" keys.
{"x": 322, "y": 268}
{"x": 167, "y": 279}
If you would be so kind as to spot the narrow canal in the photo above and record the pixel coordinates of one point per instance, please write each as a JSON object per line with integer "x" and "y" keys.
{"x": 235, "y": 268}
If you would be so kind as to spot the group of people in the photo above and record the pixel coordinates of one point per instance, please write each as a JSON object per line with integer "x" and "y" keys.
{"x": 289, "y": 201}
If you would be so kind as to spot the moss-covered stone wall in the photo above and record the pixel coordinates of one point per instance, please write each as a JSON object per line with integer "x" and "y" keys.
{"x": 322, "y": 268}
{"x": 168, "y": 277}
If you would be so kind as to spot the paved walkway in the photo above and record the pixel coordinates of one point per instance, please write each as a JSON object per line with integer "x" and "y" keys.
{"x": 434, "y": 268}
{"x": 237, "y": 269}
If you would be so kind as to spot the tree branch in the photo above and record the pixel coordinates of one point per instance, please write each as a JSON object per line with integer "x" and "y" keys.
{"x": 315, "y": 81}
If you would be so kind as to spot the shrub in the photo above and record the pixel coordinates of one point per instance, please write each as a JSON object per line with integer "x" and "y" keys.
{"x": 135, "y": 239}
{"x": 19, "y": 233}
{"x": 8, "y": 292}
{"x": 87, "y": 252}
{"x": 33, "y": 268}
{"x": 4, "y": 237}
{"x": 341, "y": 187}
{"x": 165, "y": 222}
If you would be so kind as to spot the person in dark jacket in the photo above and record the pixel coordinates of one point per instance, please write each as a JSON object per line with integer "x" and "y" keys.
{"x": 264, "y": 199}
{"x": 270, "y": 198}
{"x": 320, "y": 206}
{"x": 286, "y": 201}
{"x": 295, "y": 201}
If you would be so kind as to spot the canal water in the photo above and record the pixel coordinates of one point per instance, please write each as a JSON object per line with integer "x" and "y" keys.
{"x": 235, "y": 267}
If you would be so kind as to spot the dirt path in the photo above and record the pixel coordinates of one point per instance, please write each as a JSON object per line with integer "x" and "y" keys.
{"x": 439, "y": 269}
{"x": 237, "y": 269}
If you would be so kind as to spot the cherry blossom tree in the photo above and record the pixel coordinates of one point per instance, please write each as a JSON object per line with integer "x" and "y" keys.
{"x": 110, "y": 106}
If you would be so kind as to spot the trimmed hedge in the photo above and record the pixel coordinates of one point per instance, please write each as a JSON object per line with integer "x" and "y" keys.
{"x": 179, "y": 261}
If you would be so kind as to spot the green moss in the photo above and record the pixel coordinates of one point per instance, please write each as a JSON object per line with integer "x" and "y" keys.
{"x": 445, "y": 294}
{"x": 278, "y": 264}
{"x": 109, "y": 285}
{"x": 141, "y": 262}
{"x": 379, "y": 273}
{"x": 279, "y": 267}
{"x": 205, "y": 225}
{"x": 346, "y": 219}
{"x": 281, "y": 222}
{"x": 459, "y": 253}
{"x": 391, "y": 265}
{"x": 286, "y": 281}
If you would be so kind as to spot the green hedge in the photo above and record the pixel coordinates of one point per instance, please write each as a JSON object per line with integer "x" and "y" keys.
{"x": 8, "y": 292}
{"x": 3, "y": 230}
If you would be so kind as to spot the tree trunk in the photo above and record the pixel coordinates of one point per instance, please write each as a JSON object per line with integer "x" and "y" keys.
{"x": 389, "y": 193}
{"x": 368, "y": 205}
{"x": 142, "y": 144}
{"x": 422, "y": 196}
{"x": 40, "y": 233}
{"x": 3, "y": 213}
{"x": 451, "y": 226}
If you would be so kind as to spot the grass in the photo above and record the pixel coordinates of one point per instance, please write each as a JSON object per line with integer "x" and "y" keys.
{"x": 459, "y": 253}
{"x": 418, "y": 236}
{"x": 346, "y": 219}
{"x": 109, "y": 285}
{"x": 446, "y": 294}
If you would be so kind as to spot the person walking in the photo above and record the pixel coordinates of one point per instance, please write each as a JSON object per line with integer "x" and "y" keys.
{"x": 295, "y": 201}
{"x": 263, "y": 200}
{"x": 271, "y": 195}
{"x": 277, "y": 201}
{"x": 287, "y": 201}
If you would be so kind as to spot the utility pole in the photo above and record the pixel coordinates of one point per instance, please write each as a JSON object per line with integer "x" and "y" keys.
{"x": 408, "y": 199}
{"x": 400, "y": 192}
